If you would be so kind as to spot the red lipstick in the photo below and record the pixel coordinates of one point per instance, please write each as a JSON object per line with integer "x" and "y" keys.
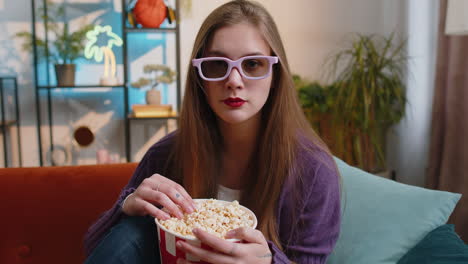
{"x": 234, "y": 102}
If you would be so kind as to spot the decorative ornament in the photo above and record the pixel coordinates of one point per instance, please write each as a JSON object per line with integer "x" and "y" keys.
{"x": 170, "y": 13}
{"x": 93, "y": 50}
{"x": 150, "y": 13}
{"x": 83, "y": 136}
{"x": 158, "y": 74}
{"x": 131, "y": 19}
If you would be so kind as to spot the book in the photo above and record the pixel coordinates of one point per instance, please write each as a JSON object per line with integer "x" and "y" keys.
{"x": 154, "y": 114}
{"x": 153, "y": 111}
{"x": 151, "y": 108}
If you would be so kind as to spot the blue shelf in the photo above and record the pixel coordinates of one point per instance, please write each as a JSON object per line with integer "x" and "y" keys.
{"x": 150, "y": 30}
{"x": 131, "y": 117}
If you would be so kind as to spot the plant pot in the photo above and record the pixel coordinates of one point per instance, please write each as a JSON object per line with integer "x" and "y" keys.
{"x": 153, "y": 97}
{"x": 65, "y": 74}
{"x": 112, "y": 80}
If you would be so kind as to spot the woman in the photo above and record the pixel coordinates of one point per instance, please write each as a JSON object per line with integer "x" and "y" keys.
{"x": 242, "y": 136}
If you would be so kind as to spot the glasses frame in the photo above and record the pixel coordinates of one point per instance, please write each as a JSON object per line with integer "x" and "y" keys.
{"x": 231, "y": 64}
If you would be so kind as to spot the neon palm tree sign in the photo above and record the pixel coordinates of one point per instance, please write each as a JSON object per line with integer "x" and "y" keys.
{"x": 98, "y": 52}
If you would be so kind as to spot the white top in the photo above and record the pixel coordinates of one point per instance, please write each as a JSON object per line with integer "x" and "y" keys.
{"x": 227, "y": 194}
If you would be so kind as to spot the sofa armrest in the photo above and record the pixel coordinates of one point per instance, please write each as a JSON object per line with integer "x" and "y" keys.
{"x": 47, "y": 210}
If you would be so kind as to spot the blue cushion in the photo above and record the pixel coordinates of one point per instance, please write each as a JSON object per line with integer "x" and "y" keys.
{"x": 384, "y": 219}
{"x": 441, "y": 246}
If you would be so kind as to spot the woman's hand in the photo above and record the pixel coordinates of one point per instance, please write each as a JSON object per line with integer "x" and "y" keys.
{"x": 255, "y": 250}
{"x": 159, "y": 191}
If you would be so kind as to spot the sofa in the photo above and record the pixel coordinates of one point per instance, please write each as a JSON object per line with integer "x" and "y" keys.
{"x": 47, "y": 210}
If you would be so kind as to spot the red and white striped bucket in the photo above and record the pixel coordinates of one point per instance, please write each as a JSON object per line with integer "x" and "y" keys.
{"x": 167, "y": 243}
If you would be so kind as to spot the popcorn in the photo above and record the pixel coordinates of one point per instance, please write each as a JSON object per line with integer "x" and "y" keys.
{"x": 213, "y": 216}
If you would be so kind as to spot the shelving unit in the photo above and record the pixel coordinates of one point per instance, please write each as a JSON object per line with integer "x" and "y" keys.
{"x": 126, "y": 31}
{"x": 127, "y": 117}
{"x": 6, "y": 123}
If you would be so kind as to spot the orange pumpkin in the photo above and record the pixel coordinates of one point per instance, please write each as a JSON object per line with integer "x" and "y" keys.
{"x": 150, "y": 13}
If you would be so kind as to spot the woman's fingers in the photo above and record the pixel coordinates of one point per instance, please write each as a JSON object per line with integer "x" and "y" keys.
{"x": 173, "y": 190}
{"x": 178, "y": 187}
{"x": 203, "y": 254}
{"x": 176, "y": 196}
{"x": 159, "y": 191}
{"x": 247, "y": 234}
{"x": 185, "y": 195}
{"x": 215, "y": 242}
{"x": 160, "y": 198}
{"x": 154, "y": 211}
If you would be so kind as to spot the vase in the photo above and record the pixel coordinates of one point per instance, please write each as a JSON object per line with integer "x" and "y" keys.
{"x": 65, "y": 74}
{"x": 83, "y": 136}
{"x": 153, "y": 97}
{"x": 108, "y": 81}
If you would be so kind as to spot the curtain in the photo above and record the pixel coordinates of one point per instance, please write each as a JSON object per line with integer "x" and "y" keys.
{"x": 448, "y": 157}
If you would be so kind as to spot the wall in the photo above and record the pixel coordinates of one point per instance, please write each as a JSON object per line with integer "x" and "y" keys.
{"x": 311, "y": 29}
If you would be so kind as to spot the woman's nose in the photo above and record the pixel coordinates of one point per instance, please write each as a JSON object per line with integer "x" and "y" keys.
{"x": 234, "y": 79}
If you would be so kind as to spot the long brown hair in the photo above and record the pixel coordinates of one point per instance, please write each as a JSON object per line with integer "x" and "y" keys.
{"x": 196, "y": 157}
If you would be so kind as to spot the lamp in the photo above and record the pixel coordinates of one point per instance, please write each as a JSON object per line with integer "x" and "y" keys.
{"x": 456, "y": 22}
{"x": 96, "y": 51}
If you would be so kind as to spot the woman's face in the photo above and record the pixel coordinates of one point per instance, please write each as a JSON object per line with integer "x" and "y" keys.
{"x": 236, "y": 99}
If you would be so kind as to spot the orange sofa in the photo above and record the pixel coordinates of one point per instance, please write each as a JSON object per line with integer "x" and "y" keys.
{"x": 45, "y": 211}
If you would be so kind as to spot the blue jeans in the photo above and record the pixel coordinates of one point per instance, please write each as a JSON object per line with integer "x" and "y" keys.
{"x": 131, "y": 240}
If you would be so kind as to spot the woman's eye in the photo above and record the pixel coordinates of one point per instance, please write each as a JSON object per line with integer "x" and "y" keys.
{"x": 219, "y": 63}
{"x": 252, "y": 63}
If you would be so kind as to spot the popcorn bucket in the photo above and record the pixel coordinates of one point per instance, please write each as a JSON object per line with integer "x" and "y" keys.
{"x": 167, "y": 241}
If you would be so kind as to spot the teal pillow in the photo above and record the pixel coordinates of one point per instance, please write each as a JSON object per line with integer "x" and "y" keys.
{"x": 384, "y": 219}
{"x": 440, "y": 246}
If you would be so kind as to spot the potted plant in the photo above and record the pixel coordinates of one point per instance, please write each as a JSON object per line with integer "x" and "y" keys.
{"x": 158, "y": 74}
{"x": 314, "y": 99}
{"x": 63, "y": 48}
{"x": 369, "y": 98}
